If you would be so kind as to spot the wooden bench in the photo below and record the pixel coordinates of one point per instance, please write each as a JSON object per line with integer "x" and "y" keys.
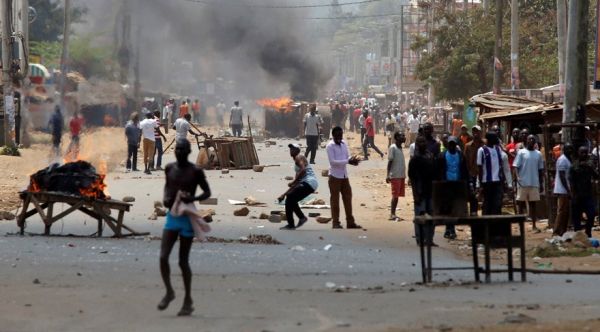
{"x": 95, "y": 208}
{"x": 488, "y": 241}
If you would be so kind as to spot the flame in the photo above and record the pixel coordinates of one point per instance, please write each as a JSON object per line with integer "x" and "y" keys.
{"x": 33, "y": 186}
{"x": 96, "y": 189}
{"x": 280, "y": 104}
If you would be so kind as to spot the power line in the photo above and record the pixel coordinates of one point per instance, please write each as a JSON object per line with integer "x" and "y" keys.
{"x": 351, "y": 17}
{"x": 205, "y": 2}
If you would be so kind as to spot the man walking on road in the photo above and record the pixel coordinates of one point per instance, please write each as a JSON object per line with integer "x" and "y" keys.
{"x": 185, "y": 177}
{"x": 421, "y": 173}
{"x": 396, "y": 172}
{"x": 56, "y": 124}
{"x": 413, "y": 124}
{"x": 312, "y": 129}
{"x": 339, "y": 156}
{"x": 148, "y": 125}
{"x": 75, "y": 125}
{"x": 529, "y": 173}
{"x": 369, "y": 140}
{"x": 304, "y": 183}
{"x": 236, "y": 121}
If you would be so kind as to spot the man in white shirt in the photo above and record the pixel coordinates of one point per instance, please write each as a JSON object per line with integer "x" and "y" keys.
{"x": 339, "y": 157}
{"x": 413, "y": 127}
{"x": 529, "y": 171}
{"x": 312, "y": 129}
{"x": 494, "y": 173}
{"x": 148, "y": 126}
{"x": 182, "y": 127}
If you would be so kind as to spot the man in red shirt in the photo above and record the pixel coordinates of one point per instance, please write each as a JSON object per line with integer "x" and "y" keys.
{"x": 370, "y": 137}
{"x": 75, "y": 125}
{"x": 198, "y": 117}
{"x": 355, "y": 115}
{"x": 512, "y": 147}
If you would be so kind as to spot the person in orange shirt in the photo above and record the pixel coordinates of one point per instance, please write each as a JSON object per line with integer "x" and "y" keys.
{"x": 184, "y": 109}
{"x": 457, "y": 123}
{"x": 464, "y": 137}
{"x": 196, "y": 115}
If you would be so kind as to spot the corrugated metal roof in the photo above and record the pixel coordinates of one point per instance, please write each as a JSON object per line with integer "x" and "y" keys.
{"x": 503, "y": 102}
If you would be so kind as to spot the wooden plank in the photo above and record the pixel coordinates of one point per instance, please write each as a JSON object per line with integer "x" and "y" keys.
{"x": 38, "y": 208}
{"x": 209, "y": 201}
{"x": 48, "y": 222}
{"x": 24, "y": 213}
{"x": 66, "y": 212}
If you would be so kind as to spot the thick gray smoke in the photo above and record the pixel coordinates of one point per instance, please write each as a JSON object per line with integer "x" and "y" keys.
{"x": 243, "y": 41}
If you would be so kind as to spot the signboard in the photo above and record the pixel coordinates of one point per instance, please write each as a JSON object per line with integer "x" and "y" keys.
{"x": 373, "y": 68}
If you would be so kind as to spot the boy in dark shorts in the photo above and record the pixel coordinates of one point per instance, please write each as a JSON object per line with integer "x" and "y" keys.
{"x": 185, "y": 177}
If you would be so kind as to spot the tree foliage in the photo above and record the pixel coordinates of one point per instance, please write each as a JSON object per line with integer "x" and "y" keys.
{"x": 49, "y": 23}
{"x": 461, "y": 63}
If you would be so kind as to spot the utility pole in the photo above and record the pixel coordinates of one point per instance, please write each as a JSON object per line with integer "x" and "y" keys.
{"x": 486, "y": 6}
{"x": 514, "y": 44}
{"x": 561, "y": 15}
{"x": 401, "y": 52}
{"x": 576, "y": 79}
{"x": 6, "y": 67}
{"x": 136, "y": 69}
{"x": 65, "y": 54}
{"x": 498, "y": 48}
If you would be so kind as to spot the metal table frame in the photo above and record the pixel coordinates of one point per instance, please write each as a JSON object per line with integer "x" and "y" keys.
{"x": 485, "y": 221}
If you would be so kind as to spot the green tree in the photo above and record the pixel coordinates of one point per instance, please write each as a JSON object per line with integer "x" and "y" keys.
{"x": 49, "y": 23}
{"x": 461, "y": 63}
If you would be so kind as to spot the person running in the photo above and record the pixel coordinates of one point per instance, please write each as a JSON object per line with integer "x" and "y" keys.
{"x": 133, "y": 134}
{"x": 581, "y": 179}
{"x": 236, "y": 121}
{"x": 361, "y": 124}
{"x": 452, "y": 168}
{"x": 312, "y": 129}
{"x": 339, "y": 156}
{"x": 421, "y": 173}
{"x": 529, "y": 173}
{"x": 304, "y": 183}
{"x": 181, "y": 176}
{"x": 562, "y": 190}
{"x": 396, "y": 172}
{"x": 158, "y": 143}
{"x": 75, "y": 126}
{"x": 56, "y": 125}
{"x": 148, "y": 126}
{"x": 370, "y": 137}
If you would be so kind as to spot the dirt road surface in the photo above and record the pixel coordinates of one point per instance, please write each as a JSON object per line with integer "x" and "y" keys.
{"x": 366, "y": 281}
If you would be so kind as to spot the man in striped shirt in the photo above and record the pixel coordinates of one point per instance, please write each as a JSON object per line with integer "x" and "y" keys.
{"x": 158, "y": 143}
{"x": 494, "y": 173}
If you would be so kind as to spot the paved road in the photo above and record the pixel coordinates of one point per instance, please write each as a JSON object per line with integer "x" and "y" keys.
{"x": 366, "y": 281}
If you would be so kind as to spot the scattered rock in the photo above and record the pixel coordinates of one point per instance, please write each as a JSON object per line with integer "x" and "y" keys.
{"x": 6, "y": 215}
{"x": 160, "y": 211}
{"x": 323, "y": 220}
{"x": 316, "y": 201}
{"x": 289, "y": 178}
{"x": 225, "y": 171}
{"x": 363, "y": 204}
{"x": 152, "y": 216}
{"x": 313, "y": 214}
{"x": 158, "y": 204}
{"x": 518, "y": 319}
{"x": 297, "y": 248}
{"x": 251, "y": 201}
{"x": 36, "y": 281}
{"x": 275, "y": 218}
{"x": 128, "y": 199}
{"x": 325, "y": 173}
{"x": 258, "y": 168}
{"x": 263, "y": 216}
{"x": 242, "y": 212}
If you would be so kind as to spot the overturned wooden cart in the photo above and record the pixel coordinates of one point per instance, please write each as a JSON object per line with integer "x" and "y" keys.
{"x": 100, "y": 209}
{"x": 227, "y": 153}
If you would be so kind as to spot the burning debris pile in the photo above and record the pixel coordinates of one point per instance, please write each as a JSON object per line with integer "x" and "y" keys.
{"x": 76, "y": 178}
{"x": 283, "y": 117}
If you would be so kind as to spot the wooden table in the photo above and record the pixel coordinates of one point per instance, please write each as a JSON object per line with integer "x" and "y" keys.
{"x": 488, "y": 242}
{"x": 95, "y": 208}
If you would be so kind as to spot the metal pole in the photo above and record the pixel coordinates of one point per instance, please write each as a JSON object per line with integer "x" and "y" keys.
{"x": 6, "y": 81}
{"x": 576, "y": 82}
{"x": 498, "y": 48}
{"x": 65, "y": 54}
{"x": 514, "y": 44}
{"x": 561, "y": 15}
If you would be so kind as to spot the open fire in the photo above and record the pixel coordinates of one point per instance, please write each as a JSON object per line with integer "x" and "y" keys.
{"x": 75, "y": 178}
{"x": 283, "y": 104}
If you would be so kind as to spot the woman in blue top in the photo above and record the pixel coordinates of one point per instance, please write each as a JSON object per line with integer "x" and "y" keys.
{"x": 304, "y": 184}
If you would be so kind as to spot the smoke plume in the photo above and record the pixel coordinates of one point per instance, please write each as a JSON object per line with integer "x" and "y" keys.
{"x": 260, "y": 49}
